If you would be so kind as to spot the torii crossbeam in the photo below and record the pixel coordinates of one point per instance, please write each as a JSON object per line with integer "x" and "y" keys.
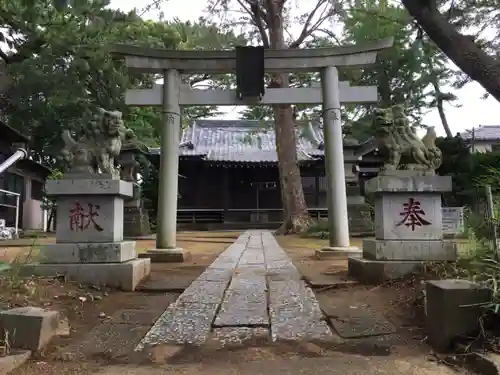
{"x": 173, "y": 94}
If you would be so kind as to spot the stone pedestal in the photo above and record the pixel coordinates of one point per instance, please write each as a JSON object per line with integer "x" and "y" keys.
{"x": 360, "y": 219}
{"x": 135, "y": 218}
{"x": 453, "y": 310}
{"x": 89, "y": 244}
{"x": 408, "y": 227}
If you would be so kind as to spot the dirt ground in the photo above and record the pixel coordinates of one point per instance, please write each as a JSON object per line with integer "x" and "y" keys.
{"x": 86, "y": 307}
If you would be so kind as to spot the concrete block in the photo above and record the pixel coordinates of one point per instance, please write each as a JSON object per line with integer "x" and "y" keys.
{"x": 409, "y": 216}
{"x": 125, "y": 276}
{"x": 167, "y": 255}
{"x": 86, "y": 218}
{"x": 110, "y": 252}
{"x": 450, "y": 310}
{"x": 409, "y": 250}
{"x": 406, "y": 183}
{"x": 93, "y": 186}
{"x": 30, "y": 327}
{"x": 376, "y": 271}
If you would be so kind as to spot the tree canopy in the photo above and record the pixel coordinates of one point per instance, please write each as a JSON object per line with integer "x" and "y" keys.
{"x": 58, "y": 69}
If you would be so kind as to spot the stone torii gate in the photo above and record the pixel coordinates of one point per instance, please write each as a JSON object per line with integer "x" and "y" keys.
{"x": 173, "y": 94}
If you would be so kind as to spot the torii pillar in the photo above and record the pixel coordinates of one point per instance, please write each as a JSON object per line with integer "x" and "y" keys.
{"x": 173, "y": 95}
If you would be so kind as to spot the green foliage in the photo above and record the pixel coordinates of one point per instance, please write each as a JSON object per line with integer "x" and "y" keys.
{"x": 457, "y": 162}
{"x": 61, "y": 69}
{"x": 318, "y": 229}
{"x": 481, "y": 261}
{"x": 403, "y": 73}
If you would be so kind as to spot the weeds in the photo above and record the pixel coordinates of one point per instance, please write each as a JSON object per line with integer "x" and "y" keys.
{"x": 11, "y": 279}
{"x": 6, "y": 344}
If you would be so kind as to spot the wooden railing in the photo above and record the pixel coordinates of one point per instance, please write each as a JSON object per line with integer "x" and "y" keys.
{"x": 219, "y": 215}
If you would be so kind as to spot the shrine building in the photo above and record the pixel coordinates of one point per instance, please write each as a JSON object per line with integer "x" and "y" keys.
{"x": 230, "y": 179}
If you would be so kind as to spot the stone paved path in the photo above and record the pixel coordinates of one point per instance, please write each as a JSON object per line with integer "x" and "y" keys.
{"x": 251, "y": 289}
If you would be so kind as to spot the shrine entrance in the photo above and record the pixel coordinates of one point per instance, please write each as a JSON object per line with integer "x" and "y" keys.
{"x": 173, "y": 95}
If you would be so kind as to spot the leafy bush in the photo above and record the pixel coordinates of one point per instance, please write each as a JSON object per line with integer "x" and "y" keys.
{"x": 318, "y": 229}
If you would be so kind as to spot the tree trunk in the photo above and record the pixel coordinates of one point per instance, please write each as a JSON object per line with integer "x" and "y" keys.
{"x": 49, "y": 220}
{"x": 440, "y": 108}
{"x": 460, "y": 48}
{"x": 439, "y": 98}
{"x": 296, "y": 217}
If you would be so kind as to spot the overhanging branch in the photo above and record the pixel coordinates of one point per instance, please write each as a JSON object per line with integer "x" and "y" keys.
{"x": 460, "y": 48}
{"x": 307, "y": 29}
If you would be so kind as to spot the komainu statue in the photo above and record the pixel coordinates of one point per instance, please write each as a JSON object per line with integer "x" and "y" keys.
{"x": 395, "y": 135}
{"x": 95, "y": 151}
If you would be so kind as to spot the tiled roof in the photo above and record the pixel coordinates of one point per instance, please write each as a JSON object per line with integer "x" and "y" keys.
{"x": 244, "y": 141}
{"x": 483, "y": 133}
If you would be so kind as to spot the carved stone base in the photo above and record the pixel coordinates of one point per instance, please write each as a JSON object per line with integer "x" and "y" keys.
{"x": 136, "y": 222}
{"x": 125, "y": 276}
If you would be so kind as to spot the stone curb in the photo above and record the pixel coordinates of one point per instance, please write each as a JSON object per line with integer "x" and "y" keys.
{"x": 13, "y": 361}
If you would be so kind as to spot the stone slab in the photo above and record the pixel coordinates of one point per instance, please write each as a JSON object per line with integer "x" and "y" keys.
{"x": 167, "y": 255}
{"x": 292, "y": 293}
{"x": 245, "y": 303}
{"x": 222, "y": 265}
{"x": 283, "y": 274}
{"x": 12, "y": 361}
{"x": 286, "y": 263}
{"x": 106, "y": 340}
{"x": 89, "y": 218}
{"x": 125, "y": 276}
{"x": 215, "y": 274}
{"x": 408, "y": 184}
{"x": 242, "y": 315}
{"x": 295, "y": 327}
{"x": 204, "y": 292}
{"x": 137, "y": 317}
{"x": 410, "y": 250}
{"x": 228, "y": 336}
{"x": 336, "y": 252}
{"x": 408, "y": 216}
{"x": 30, "y": 327}
{"x": 358, "y": 320}
{"x": 77, "y": 187}
{"x": 110, "y": 252}
{"x": 295, "y": 313}
{"x": 369, "y": 271}
{"x": 453, "y": 310}
{"x": 180, "y": 326}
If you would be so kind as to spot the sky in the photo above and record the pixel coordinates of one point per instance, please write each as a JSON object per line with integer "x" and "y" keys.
{"x": 473, "y": 112}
